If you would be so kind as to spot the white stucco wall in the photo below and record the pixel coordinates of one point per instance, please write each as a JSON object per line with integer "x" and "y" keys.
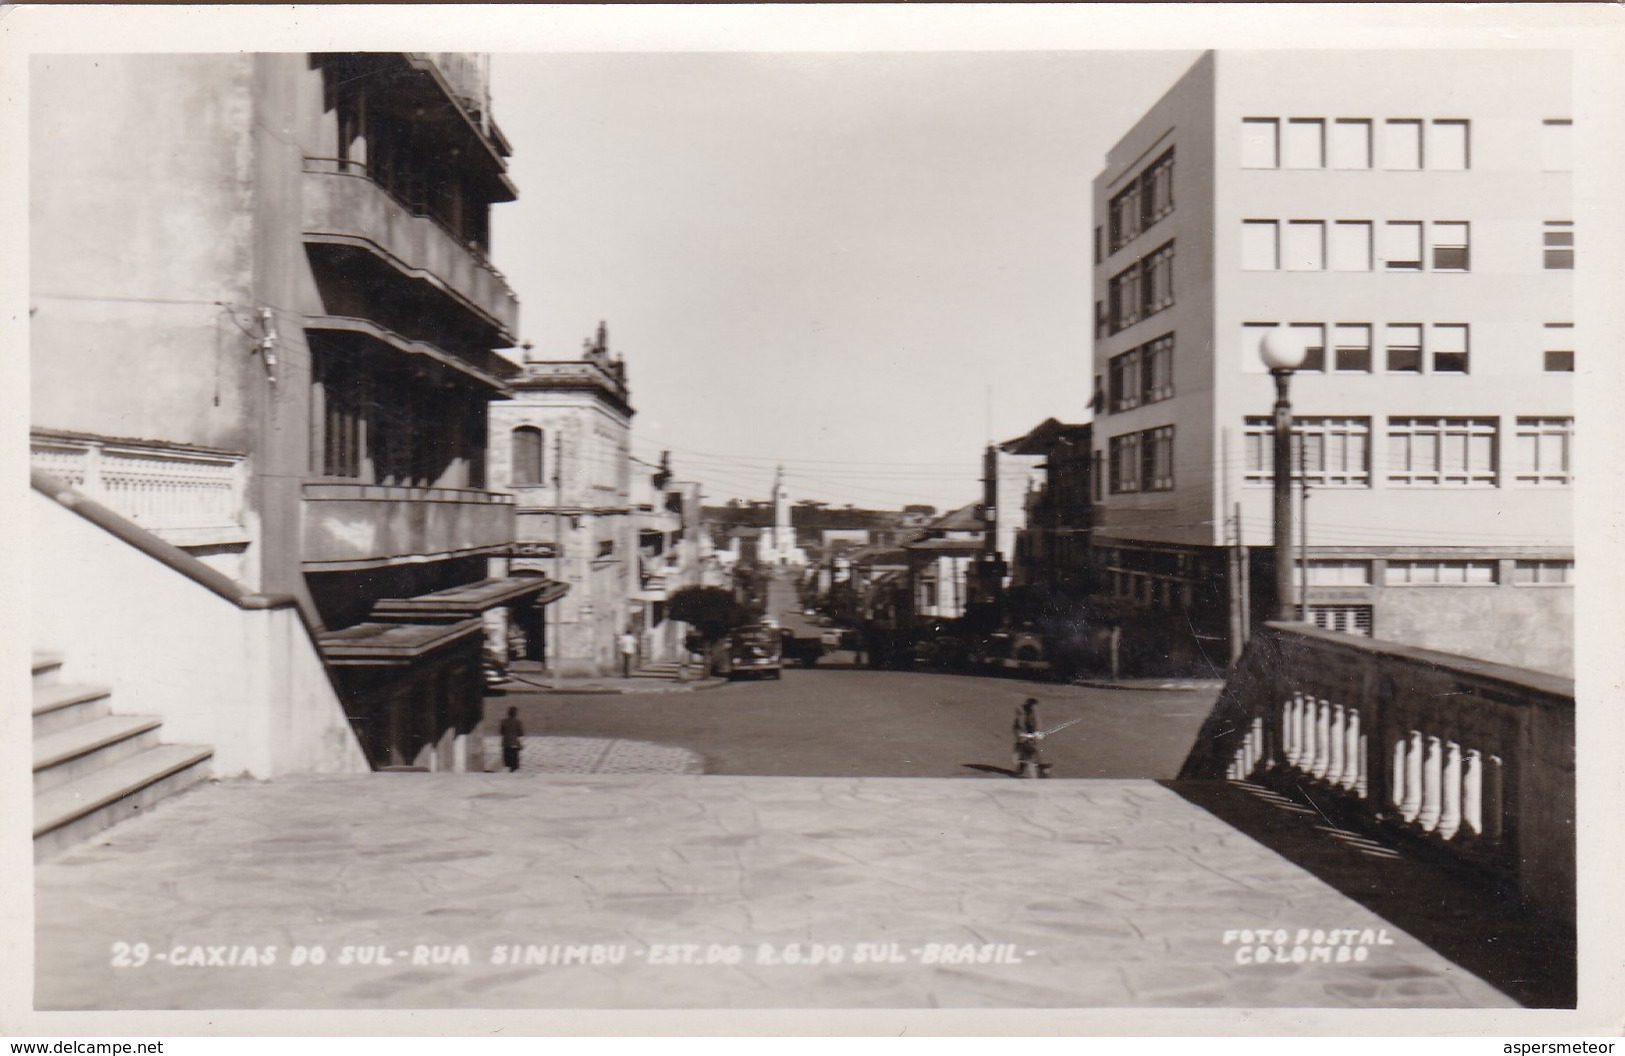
{"x": 248, "y": 683}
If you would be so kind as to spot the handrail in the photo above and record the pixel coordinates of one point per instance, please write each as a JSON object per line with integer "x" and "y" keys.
{"x": 165, "y": 553}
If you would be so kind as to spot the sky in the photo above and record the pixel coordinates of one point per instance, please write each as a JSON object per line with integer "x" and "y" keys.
{"x": 860, "y": 265}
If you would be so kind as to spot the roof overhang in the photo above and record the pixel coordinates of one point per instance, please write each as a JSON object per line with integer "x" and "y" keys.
{"x": 393, "y": 644}
{"x": 467, "y": 601}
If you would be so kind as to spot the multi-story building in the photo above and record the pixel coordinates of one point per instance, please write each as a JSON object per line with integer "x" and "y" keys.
{"x": 1409, "y": 215}
{"x": 562, "y": 448}
{"x": 941, "y": 564}
{"x": 1009, "y": 475}
{"x": 1051, "y": 549}
{"x": 264, "y": 326}
{"x": 673, "y": 553}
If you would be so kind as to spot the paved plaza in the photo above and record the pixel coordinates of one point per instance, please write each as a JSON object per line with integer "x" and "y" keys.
{"x": 672, "y": 891}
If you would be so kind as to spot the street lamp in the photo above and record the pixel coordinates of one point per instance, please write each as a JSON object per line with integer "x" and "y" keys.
{"x": 1283, "y": 352}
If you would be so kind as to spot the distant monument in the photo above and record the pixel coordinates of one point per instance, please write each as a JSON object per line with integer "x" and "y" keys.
{"x": 779, "y": 543}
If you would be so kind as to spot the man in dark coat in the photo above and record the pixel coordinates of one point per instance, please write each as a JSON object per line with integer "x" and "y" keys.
{"x": 1028, "y": 734}
{"x": 513, "y": 732}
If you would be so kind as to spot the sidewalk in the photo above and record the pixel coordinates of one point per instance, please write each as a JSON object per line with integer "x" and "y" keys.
{"x": 1209, "y": 685}
{"x": 483, "y": 891}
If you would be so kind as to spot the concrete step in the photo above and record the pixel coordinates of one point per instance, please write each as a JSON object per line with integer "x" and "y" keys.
{"x": 665, "y": 670}
{"x": 67, "y": 755}
{"x": 45, "y": 668}
{"x": 72, "y": 813}
{"x": 61, "y": 707}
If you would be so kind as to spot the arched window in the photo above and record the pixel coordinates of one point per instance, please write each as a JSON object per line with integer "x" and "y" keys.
{"x": 527, "y": 456}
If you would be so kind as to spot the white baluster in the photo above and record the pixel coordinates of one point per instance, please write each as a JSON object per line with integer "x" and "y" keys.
{"x": 1290, "y": 742}
{"x": 1323, "y": 722}
{"x": 1412, "y": 806}
{"x": 1494, "y": 797}
{"x": 1450, "y": 808}
{"x": 1398, "y": 775}
{"x": 1432, "y": 767}
{"x": 1362, "y": 786}
{"x": 1353, "y": 752}
{"x": 1472, "y": 793}
{"x": 1334, "y": 744}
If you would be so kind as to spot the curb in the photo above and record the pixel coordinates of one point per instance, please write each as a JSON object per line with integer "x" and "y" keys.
{"x": 660, "y": 687}
{"x": 1151, "y": 685}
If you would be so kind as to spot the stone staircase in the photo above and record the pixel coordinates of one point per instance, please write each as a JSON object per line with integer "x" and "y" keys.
{"x": 664, "y": 670}
{"x": 94, "y": 768}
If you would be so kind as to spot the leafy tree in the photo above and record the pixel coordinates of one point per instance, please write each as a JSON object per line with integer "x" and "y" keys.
{"x": 711, "y": 611}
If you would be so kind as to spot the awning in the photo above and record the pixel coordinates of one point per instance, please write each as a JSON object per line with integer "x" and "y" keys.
{"x": 468, "y": 600}
{"x": 392, "y": 644}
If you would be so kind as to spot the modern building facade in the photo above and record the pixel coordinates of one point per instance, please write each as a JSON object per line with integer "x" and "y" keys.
{"x": 562, "y": 448}
{"x": 1418, "y": 235}
{"x": 265, "y": 326}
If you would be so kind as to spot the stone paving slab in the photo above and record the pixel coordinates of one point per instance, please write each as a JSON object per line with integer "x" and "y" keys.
{"x": 907, "y": 893}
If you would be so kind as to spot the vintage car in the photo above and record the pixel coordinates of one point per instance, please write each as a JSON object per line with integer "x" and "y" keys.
{"x": 1015, "y": 650}
{"x": 749, "y": 650}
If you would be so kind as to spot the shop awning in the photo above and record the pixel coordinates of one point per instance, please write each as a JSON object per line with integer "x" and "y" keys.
{"x": 468, "y": 600}
{"x": 388, "y": 644}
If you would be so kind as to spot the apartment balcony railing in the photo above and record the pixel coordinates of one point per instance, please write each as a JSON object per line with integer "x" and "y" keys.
{"x": 185, "y": 495}
{"x": 467, "y": 77}
{"x": 1466, "y": 759}
{"x": 353, "y": 526}
{"x": 344, "y": 205}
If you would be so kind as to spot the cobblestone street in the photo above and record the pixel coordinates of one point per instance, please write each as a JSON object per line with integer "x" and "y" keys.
{"x": 594, "y": 755}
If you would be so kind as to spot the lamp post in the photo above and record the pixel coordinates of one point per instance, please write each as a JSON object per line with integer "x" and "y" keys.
{"x": 1283, "y": 352}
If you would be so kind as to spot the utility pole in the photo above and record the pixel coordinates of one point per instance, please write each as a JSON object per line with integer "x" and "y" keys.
{"x": 1246, "y": 580}
{"x": 1303, "y": 533}
{"x": 560, "y": 573}
{"x": 1232, "y": 563}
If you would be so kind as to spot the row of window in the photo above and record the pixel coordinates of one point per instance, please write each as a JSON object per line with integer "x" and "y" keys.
{"x": 1145, "y": 374}
{"x": 1399, "y": 144}
{"x": 1439, "y": 572}
{"x": 1141, "y": 375}
{"x": 1350, "y": 245}
{"x": 1446, "y": 349}
{"x": 1422, "y": 452}
{"x": 375, "y": 427}
{"x": 1347, "y": 143}
{"x": 1146, "y": 199}
{"x": 1143, "y": 289}
{"x": 1142, "y": 461}
{"x": 1407, "y": 348}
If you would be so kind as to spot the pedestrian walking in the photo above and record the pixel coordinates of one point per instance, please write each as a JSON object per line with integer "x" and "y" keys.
{"x": 1028, "y": 734}
{"x": 629, "y": 649}
{"x": 513, "y": 733}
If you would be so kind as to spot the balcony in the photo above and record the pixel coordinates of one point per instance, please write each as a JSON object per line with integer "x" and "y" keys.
{"x": 356, "y": 526}
{"x": 344, "y": 209}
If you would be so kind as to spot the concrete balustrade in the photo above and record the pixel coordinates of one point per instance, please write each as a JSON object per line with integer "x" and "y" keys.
{"x": 1454, "y": 756}
{"x": 185, "y": 495}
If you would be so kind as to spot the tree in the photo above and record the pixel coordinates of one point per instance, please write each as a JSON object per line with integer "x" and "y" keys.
{"x": 711, "y": 611}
